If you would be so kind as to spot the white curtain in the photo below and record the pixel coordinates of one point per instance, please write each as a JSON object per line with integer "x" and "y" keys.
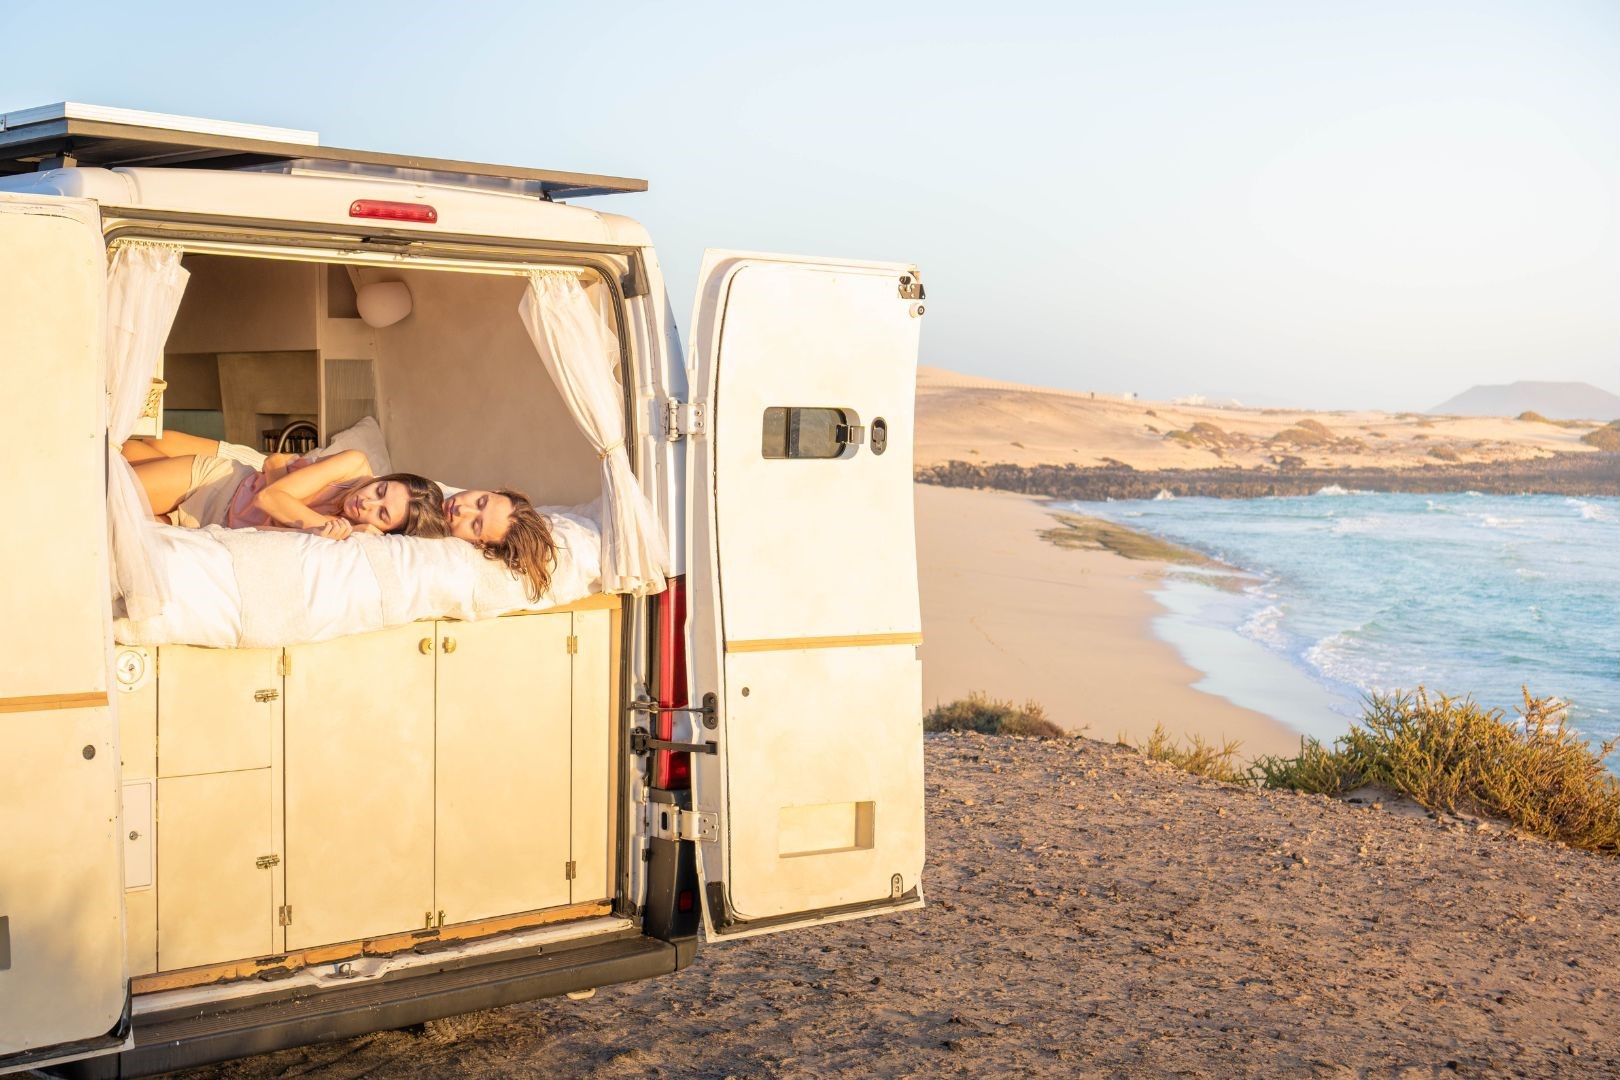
{"x": 144, "y": 285}
{"x": 580, "y": 348}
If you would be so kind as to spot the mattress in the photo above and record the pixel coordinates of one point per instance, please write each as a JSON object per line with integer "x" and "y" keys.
{"x": 249, "y": 588}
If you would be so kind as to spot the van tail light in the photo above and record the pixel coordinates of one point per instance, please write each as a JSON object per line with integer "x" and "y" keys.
{"x": 671, "y": 770}
{"x": 384, "y": 210}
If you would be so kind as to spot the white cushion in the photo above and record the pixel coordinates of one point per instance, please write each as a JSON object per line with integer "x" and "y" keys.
{"x": 366, "y": 437}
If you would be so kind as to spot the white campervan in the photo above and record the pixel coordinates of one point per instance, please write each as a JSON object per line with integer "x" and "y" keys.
{"x": 306, "y": 788}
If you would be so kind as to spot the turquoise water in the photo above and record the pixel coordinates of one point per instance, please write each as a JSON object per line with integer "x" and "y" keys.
{"x": 1462, "y": 594}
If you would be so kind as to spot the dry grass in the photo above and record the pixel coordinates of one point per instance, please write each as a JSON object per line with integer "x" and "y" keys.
{"x": 1452, "y": 755}
{"x": 1606, "y": 437}
{"x": 1218, "y": 761}
{"x": 1444, "y": 453}
{"x": 988, "y": 716}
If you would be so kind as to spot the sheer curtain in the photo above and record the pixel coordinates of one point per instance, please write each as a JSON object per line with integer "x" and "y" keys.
{"x": 579, "y": 348}
{"x": 144, "y": 285}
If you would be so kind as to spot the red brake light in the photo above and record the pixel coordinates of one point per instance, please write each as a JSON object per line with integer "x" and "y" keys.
{"x": 393, "y": 211}
{"x": 670, "y": 770}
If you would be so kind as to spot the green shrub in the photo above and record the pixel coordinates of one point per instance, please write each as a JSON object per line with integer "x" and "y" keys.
{"x": 988, "y": 716}
{"x": 1195, "y": 756}
{"x": 1451, "y": 754}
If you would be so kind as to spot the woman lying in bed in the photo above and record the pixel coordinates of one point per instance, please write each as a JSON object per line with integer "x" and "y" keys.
{"x": 506, "y": 526}
{"x": 195, "y": 482}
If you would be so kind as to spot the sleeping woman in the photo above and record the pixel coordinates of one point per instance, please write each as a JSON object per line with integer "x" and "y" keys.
{"x": 509, "y": 530}
{"x": 195, "y": 482}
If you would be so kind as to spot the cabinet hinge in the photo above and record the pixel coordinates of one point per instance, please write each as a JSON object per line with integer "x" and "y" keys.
{"x": 683, "y": 418}
{"x": 284, "y": 915}
{"x": 265, "y": 862}
{"x": 262, "y": 696}
{"x": 911, "y": 287}
{"x": 570, "y": 869}
{"x": 573, "y": 645}
{"x": 284, "y": 665}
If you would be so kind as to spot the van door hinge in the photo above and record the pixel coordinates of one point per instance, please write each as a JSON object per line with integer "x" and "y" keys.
{"x": 283, "y": 665}
{"x": 683, "y": 418}
{"x": 266, "y": 695}
{"x": 911, "y": 287}
{"x": 573, "y": 645}
{"x": 284, "y": 915}
{"x": 673, "y": 823}
{"x": 570, "y": 869}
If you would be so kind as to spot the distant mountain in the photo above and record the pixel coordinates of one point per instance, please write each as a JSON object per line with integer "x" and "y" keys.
{"x": 1554, "y": 400}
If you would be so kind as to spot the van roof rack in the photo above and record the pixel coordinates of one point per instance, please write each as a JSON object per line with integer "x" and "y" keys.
{"x": 69, "y": 133}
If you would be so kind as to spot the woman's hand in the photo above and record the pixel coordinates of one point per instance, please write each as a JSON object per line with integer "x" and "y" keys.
{"x": 333, "y": 529}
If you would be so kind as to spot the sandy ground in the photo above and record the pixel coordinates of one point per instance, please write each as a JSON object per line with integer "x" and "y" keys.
{"x": 1007, "y": 613}
{"x": 1095, "y": 914}
{"x": 965, "y": 418}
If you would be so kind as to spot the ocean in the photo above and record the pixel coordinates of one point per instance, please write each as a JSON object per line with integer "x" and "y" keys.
{"x": 1355, "y": 592}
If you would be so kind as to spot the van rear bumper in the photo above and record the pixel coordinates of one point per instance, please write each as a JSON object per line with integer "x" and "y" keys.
{"x": 199, "y": 1035}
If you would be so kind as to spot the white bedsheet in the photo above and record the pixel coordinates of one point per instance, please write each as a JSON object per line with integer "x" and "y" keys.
{"x": 246, "y": 588}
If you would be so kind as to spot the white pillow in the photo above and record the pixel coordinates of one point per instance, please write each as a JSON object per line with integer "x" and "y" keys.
{"x": 366, "y": 437}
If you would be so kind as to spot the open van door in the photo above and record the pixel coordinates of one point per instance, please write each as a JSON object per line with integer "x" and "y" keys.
{"x": 63, "y": 986}
{"x": 803, "y": 591}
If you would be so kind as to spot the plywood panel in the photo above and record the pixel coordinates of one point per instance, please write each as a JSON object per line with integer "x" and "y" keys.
{"x": 214, "y": 901}
{"x": 593, "y": 733}
{"x": 359, "y": 786}
{"x": 503, "y": 766}
{"x": 219, "y": 710}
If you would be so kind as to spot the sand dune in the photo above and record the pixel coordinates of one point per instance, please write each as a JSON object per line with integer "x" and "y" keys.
{"x": 983, "y": 421}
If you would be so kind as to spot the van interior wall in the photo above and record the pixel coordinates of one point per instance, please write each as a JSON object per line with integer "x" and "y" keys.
{"x": 465, "y": 398}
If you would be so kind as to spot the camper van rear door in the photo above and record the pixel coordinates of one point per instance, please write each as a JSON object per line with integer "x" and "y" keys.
{"x": 62, "y": 964}
{"x": 803, "y": 591}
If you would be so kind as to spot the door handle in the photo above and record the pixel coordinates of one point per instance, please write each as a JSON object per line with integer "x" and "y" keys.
{"x": 449, "y": 645}
{"x": 425, "y": 646}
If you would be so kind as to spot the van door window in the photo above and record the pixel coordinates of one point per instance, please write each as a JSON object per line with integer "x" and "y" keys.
{"x": 798, "y": 432}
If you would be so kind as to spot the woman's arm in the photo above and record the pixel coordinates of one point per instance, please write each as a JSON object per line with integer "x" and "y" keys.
{"x": 286, "y": 501}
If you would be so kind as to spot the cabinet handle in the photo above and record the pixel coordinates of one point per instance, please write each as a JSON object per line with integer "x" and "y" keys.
{"x": 425, "y": 645}
{"x": 449, "y": 645}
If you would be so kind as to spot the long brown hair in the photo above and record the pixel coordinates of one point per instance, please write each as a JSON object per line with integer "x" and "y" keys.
{"x": 424, "y": 512}
{"x": 527, "y": 549}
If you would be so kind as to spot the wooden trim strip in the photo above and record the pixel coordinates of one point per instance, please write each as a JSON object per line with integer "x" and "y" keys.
{"x": 288, "y": 963}
{"x": 845, "y": 641}
{"x": 90, "y": 699}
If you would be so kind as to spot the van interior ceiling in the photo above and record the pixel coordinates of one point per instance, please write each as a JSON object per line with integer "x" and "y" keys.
{"x": 264, "y": 348}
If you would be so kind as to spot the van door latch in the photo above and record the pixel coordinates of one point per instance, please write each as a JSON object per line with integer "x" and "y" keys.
{"x": 642, "y": 742}
{"x": 674, "y": 823}
{"x": 683, "y": 418}
{"x": 911, "y": 287}
{"x": 709, "y": 710}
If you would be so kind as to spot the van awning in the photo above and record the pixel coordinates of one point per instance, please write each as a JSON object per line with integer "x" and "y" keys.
{"x": 71, "y": 134}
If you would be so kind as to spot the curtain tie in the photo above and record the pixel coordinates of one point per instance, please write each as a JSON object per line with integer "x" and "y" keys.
{"x": 602, "y": 454}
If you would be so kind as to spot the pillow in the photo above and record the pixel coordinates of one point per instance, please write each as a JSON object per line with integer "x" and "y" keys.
{"x": 366, "y": 437}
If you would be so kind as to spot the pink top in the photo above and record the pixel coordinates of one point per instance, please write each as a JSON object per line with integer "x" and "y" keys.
{"x": 243, "y": 514}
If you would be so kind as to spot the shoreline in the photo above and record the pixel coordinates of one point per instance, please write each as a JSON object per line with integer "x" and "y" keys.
{"x": 1020, "y": 617}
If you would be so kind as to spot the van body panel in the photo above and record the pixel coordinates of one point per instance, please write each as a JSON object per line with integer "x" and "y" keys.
{"x": 326, "y": 198}
{"x": 804, "y": 592}
{"x": 62, "y": 961}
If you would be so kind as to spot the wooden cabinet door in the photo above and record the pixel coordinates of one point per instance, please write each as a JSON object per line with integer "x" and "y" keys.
{"x": 217, "y": 709}
{"x": 215, "y": 899}
{"x": 592, "y": 720}
{"x": 359, "y": 785}
{"x": 502, "y": 784}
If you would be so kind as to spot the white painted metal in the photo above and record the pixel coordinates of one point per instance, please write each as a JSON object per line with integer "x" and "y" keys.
{"x": 61, "y": 874}
{"x": 818, "y": 783}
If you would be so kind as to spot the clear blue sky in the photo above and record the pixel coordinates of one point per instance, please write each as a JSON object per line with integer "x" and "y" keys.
{"x": 1331, "y": 204}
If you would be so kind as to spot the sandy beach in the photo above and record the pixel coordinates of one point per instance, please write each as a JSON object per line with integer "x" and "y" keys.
{"x": 1010, "y": 614}
{"x": 1095, "y": 914}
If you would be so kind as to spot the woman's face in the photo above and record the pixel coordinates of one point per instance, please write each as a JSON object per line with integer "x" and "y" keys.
{"x": 380, "y": 504}
{"x": 479, "y": 517}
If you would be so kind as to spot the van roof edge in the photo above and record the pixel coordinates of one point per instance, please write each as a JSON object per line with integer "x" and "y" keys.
{"x": 69, "y": 135}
